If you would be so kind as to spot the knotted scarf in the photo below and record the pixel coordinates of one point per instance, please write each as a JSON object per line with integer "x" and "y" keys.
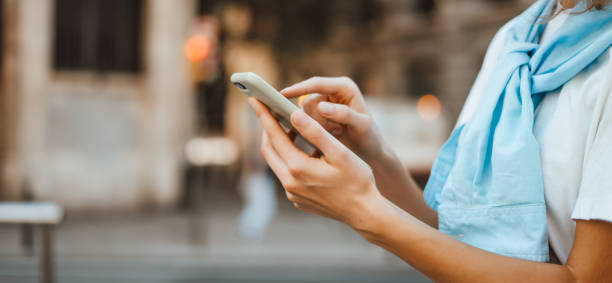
{"x": 486, "y": 182}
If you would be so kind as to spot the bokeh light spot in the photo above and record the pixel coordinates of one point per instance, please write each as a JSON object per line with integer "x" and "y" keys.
{"x": 197, "y": 48}
{"x": 301, "y": 99}
{"x": 429, "y": 107}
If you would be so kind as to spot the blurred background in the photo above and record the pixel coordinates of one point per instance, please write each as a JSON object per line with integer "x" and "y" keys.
{"x": 121, "y": 112}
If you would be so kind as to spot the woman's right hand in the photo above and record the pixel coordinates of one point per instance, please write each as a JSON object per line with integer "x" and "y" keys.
{"x": 338, "y": 105}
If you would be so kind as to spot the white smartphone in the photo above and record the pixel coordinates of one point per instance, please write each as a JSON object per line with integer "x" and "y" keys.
{"x": 280, "y": 107}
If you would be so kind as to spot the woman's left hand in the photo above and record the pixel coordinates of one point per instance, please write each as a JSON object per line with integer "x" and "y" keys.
{"x": 338, "y": 185}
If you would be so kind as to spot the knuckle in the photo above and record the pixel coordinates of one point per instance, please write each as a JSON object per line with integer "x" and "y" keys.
{"x": 290, "y": 188}
{"x": 296, "y": 169}
{"x": 344, "y": 155}
{"x": 343, "y": 111}
{"x": 291, "y": 197}
{"x": 349, "y": 82}
{"x": 315, "y": 79}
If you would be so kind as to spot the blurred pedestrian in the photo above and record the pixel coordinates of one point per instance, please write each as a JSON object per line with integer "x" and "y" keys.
{"x": 256, "y": 184}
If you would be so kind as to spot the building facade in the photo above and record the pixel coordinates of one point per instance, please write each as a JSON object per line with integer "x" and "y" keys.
{"x": 97, "y": 98}
{"x": 85, "y": 136}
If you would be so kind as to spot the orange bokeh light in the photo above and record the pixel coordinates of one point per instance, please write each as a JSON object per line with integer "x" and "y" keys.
{"x": 197, "y": 48}
{"x": 429, "y": 107}
{"x": 301, "y": 99}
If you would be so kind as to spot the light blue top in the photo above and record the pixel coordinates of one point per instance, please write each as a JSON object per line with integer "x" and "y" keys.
{"x": 486, "y": 183}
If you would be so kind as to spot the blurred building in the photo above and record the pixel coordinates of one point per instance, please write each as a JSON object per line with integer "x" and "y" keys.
{"x": 98, "y": 99}
{"x": 95, "y": 101}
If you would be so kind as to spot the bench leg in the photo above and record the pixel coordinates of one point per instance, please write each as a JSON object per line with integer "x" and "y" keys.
{"x": 46, "y": 254}
{"x": 197, "y": 226}
{"x": 27, "y": 239}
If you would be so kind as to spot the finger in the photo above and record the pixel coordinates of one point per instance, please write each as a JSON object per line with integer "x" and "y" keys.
{"x": 308, "y": 205}
{"x": 300, "y": 165}
{"x": 312, "y": 131}
{"x": 276, "y": 163}
{"x": 341, "y": 88}
{"x": 343, "y": 114}
{"x": 276, "y": 135}
{"x": 310, "y": 107}
{"x": 313, "y": 210}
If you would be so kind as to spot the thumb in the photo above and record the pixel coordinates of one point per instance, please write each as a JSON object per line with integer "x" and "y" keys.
{"x": 343, "y": 114}
{"x": 317, "y": 135}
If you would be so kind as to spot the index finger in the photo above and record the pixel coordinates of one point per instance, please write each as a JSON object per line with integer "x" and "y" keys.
{"x": 339, "y": 87}
{"x": 279, "y": 139}
{"x": 312, "y": 131}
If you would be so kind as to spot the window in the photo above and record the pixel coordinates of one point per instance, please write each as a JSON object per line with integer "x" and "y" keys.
{"x": 98, "y": 35}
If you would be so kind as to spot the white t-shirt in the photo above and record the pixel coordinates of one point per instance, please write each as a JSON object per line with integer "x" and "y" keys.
{"x": 573, "y": 126}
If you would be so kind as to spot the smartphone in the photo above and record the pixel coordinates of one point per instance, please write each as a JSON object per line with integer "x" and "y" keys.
{"x": 280, "y": 107}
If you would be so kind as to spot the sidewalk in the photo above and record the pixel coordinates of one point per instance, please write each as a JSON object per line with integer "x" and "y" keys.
{"x": 159, "y": 247}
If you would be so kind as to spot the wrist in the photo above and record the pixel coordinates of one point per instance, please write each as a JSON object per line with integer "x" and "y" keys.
{"x": 383, "y": 157}
{"x": 372, "y": 212}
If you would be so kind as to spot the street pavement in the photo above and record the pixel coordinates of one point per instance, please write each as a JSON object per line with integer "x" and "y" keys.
{"x": 172, "y": 246}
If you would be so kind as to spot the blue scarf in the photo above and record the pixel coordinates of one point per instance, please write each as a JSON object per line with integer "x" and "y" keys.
{"x": 486, "y": 182}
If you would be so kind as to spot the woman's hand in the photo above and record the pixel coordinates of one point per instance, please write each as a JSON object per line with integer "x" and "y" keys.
{"x": 338, "y": 105}
{"x": 337, "y": 185}
{"x": 341, "y": 186}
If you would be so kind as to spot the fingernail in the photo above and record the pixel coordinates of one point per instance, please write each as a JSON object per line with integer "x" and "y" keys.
{"x": 299, "y": 118}
{"x": 326, "y": 108}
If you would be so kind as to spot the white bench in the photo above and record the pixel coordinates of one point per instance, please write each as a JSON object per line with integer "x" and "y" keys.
{"x": 44, "y": 215}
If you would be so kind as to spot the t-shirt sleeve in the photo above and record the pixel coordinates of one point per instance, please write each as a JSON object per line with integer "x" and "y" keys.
{"x": 594, "y": 201}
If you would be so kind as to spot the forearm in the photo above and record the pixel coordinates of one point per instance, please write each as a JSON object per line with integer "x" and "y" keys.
{"x": 395, "y": 183}
{"x": 445, "y": 259}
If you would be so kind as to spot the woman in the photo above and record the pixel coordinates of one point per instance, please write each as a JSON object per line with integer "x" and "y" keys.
{"x": 528, "y": 163}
